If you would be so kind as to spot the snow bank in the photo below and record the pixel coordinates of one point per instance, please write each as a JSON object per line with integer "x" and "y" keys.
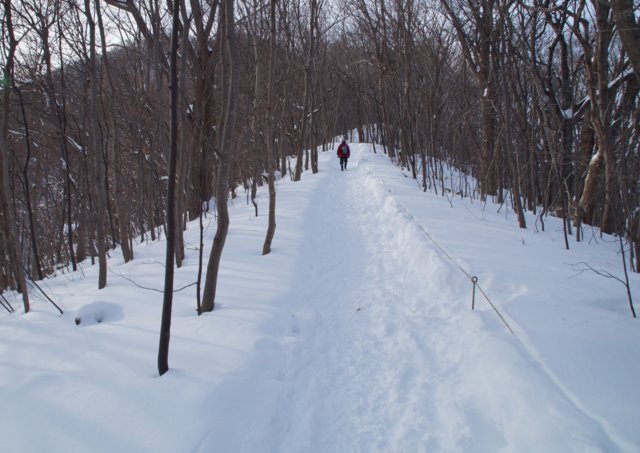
{"x": 98, "y": 312}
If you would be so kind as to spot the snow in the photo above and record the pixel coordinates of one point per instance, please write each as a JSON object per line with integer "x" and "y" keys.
{"x": 97, "y": 312}
{"x": 75, "y": 144}
{"x": 355, "y": 334}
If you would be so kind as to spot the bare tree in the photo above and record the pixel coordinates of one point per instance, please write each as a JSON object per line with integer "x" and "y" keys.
{"x": 269, "y": 120}
{"x": 230, "y": 83}
{"x": 114, "y": 146}
{"x": 40, "y": 20}
{"x": 308, "y": 86}
{"x": 97, "y": 165}
{"x": 165, "y": 328}
{"x": 8, "y": 218}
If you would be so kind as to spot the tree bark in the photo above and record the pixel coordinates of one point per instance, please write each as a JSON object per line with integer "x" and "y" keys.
{"x": 97, "y": 167}
{"x": 271, "y": 228}
{"x": 27, "y": 185}
{"x": 629, "y": 31}
{"x": 118, "y": 196}
{"x": 9, "y": 223}
{"x": 167, "y": 301}
{"x": 186, "y": 154}
{"x": 479, "y": 56}
{"x": 231, "y": 70}
{"x": 59, "y": 108}
{"x": 603, "y": 113}
{"x": 301, "y": 142}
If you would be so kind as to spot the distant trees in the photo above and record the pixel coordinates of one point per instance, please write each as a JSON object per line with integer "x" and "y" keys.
{"x": 538, "y": 101}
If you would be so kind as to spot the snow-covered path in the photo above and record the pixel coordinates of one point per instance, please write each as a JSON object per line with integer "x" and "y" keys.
{"x": 359, "y": 391}
{"x": 379, "y": 351}
{"x": 362, "y": 390}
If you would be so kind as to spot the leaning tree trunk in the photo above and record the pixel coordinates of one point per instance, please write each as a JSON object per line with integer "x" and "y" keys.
{"x": 231, "y": 77}
{"x": 27, "y": 185}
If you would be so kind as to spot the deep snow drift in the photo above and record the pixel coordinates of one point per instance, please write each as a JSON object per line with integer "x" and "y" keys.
{"x": 354, "y": 335}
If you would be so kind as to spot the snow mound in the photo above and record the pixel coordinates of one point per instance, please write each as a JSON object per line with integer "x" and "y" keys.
{"x": 98, "y": 312}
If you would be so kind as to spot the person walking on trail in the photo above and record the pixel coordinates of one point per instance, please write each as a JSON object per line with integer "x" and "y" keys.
{"x": 344, "y": 153}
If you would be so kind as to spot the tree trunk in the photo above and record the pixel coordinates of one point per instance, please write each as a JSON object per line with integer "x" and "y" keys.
{"x": 59, "y": 108}
{"x": 27, "y": 185}
{"x": 231, "y": 70}
{"x": 629, "y": 31}
{"x": 603, "y": 113}
{"x": 478, "y": 54}
{"x": 97, "y": 167}
{"x": 266, "y": 248}
{"x": 167, "y": 301}
{"x": 9, "y": 223}
{"x": 118, "y": 195}
{"x": 188, "y": 144}
{"x": 301, "y": 143}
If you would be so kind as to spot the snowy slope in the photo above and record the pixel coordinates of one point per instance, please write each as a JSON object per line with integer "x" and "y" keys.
{"x": 354, "y": 335}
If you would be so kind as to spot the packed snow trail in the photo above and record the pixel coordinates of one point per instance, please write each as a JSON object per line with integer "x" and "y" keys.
{"x": 381, "y": 352}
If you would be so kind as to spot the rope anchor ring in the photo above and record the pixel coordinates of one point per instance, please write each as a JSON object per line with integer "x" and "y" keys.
{"x": 474, "y": 279}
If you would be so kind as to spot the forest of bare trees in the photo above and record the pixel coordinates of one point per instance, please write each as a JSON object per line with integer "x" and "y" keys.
{"x": 536, "y": 101}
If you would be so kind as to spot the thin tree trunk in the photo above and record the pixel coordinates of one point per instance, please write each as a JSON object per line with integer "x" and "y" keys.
{"x": 222, "y": 184}
{"x": 301, "y": 142}
{"x": 603, "y": 112}
{"x": 181, "y": 170}
{"x": 119, "y": 199}
{"x": 96, "y": 145}
{"x": 27, "y": 185}
{"x": 266, "y": 248}
{"x": 167, "y": 301}
{"x": 9, "y": 223}
{"x": 59, "y": 108}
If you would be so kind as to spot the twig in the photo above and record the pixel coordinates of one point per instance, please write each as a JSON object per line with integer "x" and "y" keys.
{"x": 599, "y": 272}
{"x": 606, "y": 274}
{"x": 626, "y": 278}
{"x": 42, "y": 291}
{"x": 7, "y": 306}
{"x": 146, "y": 287}
{"x": 47, "y": 296}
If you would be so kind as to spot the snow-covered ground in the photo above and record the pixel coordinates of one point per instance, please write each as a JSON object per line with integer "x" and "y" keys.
{"x": 355, "y": 334}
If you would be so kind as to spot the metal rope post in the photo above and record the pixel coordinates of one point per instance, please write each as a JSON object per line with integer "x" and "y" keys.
{"x": 474, "y": 279}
